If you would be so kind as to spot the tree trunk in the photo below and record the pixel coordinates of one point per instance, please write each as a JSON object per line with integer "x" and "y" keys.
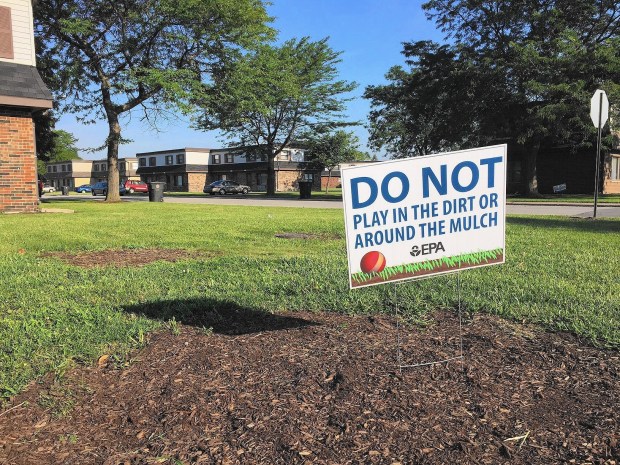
{"x": 114, "y": 137}
{"x": 329, "y": 177}
{"x": 531, "y": 179}
{"x": 271, "y": 171}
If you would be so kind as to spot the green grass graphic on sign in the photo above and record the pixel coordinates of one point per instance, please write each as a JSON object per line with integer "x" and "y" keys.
{"x": 411, "y": 270}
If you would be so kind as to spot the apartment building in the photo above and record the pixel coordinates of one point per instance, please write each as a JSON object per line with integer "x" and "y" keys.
{"x": 188, "y": 169}
{"x": 74, "y": 173}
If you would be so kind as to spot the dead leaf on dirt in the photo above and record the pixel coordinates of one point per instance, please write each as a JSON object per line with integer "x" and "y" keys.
{"x": 103, "y": 360}
{"x": 41, "y": 424}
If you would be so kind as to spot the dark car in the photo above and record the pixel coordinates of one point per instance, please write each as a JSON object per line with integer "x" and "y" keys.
{"x": 102, "y": 188}
{"x": 84, "y": 188}
{"x": 136, "y": 186}
{"x": 226, "y": 187}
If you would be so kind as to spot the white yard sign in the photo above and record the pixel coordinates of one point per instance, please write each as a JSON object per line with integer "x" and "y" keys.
{"x": 423, "y": 216}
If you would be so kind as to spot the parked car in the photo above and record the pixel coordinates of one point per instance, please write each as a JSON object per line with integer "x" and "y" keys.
{"x": 102, "y": 188}
{"x": 47, "y": 189}
{"x": 226, "y": 187}
{"x": 136, "y": 186}
{"x": 84, "y": 188}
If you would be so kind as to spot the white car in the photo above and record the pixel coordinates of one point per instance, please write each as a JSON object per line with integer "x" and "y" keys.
{"x": 48, "y": 189}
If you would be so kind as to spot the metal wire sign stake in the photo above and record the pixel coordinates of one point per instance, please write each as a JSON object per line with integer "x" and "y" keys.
{"x": 399, "y": 356}
{"x": 425, "y": 216}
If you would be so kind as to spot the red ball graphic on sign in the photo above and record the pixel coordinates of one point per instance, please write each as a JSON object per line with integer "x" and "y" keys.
{"x": 373, "y": 262}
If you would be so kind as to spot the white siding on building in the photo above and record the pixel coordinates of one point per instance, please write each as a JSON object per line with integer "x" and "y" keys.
{"x": 23, "y": 31}
{"x": 197, "y": 158}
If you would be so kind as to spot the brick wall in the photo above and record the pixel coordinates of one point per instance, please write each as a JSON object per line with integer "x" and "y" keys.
{"x": 196, "y": 182}
{"x": 334, "y": 182}
{"x": 18, "y": 162}
{"x": 610, "y": 186}
{"x": 288, "y": 181}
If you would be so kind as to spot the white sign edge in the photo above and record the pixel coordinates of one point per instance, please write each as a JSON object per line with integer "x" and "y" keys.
{"x": 503, "y": 147}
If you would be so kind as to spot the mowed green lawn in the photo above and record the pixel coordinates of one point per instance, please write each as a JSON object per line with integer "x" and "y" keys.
{"x": 562, "y": 273}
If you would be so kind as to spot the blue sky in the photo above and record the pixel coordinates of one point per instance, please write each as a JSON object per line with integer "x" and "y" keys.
{"x": 369, "y": 33}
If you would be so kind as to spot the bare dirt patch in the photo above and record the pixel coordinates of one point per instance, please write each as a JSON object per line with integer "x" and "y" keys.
{"x": 122, "y": 257}
{"x": 307, "y": 388}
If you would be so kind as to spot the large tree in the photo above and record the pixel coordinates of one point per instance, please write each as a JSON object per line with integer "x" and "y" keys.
{"x": 426, "y": 109}
{"x": 269, "y": 98}
{"x": 526, "y": 71}
{"x": 114, "y": 57}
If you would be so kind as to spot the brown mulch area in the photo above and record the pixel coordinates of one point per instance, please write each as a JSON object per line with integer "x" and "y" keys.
{"x": 121, "y": 257}
{"x": 311, "y": 388}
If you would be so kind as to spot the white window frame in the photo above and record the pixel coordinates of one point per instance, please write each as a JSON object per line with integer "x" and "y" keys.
{"x": 615, "y": 168}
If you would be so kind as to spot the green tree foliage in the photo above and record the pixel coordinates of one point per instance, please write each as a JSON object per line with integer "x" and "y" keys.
{"x": 327, "y": 151}
{"x": 44, "y": 122}
{"x": 519, "y": 72}
{"x": 269, "y": 98}
{"x": 61, "y": 147}
{"x": 424, "y": 110}
{"x": 113, "y": 58}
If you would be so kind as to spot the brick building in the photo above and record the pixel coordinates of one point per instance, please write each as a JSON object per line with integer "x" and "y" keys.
{"x": 611, "y": 173}
{"x": 22, "y": 92}
{"x": 250, "y": 169}
{"x": 183, "y": 170}
{"x": 189, "y": 169}
{"x": 74, "y": 173}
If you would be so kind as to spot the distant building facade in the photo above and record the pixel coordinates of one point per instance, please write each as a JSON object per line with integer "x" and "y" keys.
{"x": 247, "y": 167}
{"x": 183, "y": 170}
{"x": 74, "y": 173}
{"x": 611, "y": 173}
{"x": 189, "y": 169}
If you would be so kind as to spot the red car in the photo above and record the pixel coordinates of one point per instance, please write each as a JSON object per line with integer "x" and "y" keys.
{"x": 136, "y": 186}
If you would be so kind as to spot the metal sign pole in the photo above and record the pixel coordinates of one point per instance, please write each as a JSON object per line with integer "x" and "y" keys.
{"x": 460, "y": 356}
{"x": 598, "y": 153}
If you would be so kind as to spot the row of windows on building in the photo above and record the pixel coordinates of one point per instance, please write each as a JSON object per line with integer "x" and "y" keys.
{"x": 96, "y": 167}
{"x": 216, "y": 159}
{"x": 63, "y": 168}
{"x": 178, "y": 180}
{"x": 285, "y": 155}
{"x": 152, "y": 161}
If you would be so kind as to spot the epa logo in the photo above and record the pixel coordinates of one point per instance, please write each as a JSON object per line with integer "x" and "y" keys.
{"x": 427, "y": 249}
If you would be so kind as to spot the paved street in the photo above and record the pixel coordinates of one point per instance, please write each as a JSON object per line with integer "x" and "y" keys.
{"x": 580, "y": 211}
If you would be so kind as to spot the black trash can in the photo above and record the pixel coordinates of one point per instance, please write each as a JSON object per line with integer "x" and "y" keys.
{"x": 156, "y": 191}
{"x": 305, "y": 189}
{"x": 65, "y": 190}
